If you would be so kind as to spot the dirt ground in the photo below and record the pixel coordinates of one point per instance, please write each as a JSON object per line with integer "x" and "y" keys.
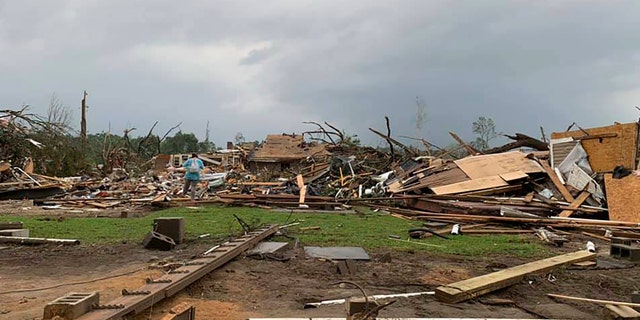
{"x": 248, "y": 287}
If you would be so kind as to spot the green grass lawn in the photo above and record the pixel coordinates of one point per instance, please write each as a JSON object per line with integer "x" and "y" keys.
{"x": 369, "y": 230}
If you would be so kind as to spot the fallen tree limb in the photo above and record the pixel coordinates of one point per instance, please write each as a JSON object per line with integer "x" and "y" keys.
{"x": 521, "y": 140}
{"x": 395, "y": 142}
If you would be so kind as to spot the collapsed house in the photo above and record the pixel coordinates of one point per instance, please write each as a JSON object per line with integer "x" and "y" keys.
{"x": 284, "y": 152}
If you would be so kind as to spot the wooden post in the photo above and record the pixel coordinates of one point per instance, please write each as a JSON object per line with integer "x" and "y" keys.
{"x": 575, "y": 204}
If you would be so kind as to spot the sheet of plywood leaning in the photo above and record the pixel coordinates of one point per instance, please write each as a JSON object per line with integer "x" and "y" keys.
{"x": 623, "y": 198}
{"x": 607, "y": 147}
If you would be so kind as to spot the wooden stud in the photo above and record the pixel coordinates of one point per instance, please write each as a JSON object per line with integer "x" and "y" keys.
{"x": 584, "y": 195}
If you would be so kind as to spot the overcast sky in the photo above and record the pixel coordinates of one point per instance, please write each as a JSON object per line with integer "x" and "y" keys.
{"x": 260, "y": 67}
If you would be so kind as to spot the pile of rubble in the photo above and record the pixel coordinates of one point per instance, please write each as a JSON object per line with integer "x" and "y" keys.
{"x": 587, "y": 174}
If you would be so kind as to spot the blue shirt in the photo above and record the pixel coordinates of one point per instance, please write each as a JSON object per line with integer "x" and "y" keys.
{"x": 193, "y": 176}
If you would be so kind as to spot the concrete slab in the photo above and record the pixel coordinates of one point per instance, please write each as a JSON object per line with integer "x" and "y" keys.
{"x": 268, "y": 247}
{"x": 15, "y": 233}
{"x": 337, "y": 253}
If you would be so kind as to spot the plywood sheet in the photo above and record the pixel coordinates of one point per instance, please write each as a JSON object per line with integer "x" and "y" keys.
{"x": 442, "y": 178}
{"x": 471, "y": 185}
{"x": 512, "y": 176}
{"x": 496, "y": 164}
{"x": 607, "y": 153}
{"x": 623, "y": 198}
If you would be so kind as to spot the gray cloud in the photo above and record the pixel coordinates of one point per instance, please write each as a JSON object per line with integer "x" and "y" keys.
{"x": 265, "y": 66}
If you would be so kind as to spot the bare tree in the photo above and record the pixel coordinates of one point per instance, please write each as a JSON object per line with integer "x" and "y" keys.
{"x": 58, "y": 114}
{"x": 485, "y": 128}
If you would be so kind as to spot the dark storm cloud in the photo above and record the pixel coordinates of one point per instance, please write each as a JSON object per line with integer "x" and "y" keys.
{"x": 265, "y": 66}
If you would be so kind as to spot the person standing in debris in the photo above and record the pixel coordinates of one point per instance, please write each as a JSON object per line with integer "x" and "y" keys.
{"x": 191, "y": 178}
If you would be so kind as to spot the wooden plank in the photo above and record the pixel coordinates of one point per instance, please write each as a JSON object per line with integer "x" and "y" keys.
{"x": 554, "y": 178}
{"x": 97, "y": 204}
{"x": 474, "y": 287}
{"x": 471, "y": 185}
{"x": 597, "y": 301}
{"x": 584, "y": 195}
{"x": 616, "y": 312}
{"x": 529, "y": 197}
{"x": 438, "y": 179}
{"x": 134, "y": 304}
{"x": 605, "y": 153}
{"x": 597, "y": 236}
{"x": 623, "y": 196}
{"x": 597, "y": 136}
{"x": 302, "y": 187}
{"x": 159, "y": 198}
{"x": 513, "y": 176}
{"x": 496, "y": 164}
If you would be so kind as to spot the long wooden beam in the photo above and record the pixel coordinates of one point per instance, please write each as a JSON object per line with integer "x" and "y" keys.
{"x": 171, "y": 283}
{"x": 474, "y": 287}
{"x": 575, "y": 204}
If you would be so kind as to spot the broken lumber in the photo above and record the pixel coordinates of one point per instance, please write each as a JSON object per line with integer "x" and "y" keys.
{"x": 584, "y": 195}
{"x": 604, "y": 302}
{"x": 556, "y": 181}
{"x": 474, "y": 287}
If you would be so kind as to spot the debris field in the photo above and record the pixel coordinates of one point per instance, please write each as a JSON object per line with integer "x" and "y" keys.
{"x": 575, "y": 193}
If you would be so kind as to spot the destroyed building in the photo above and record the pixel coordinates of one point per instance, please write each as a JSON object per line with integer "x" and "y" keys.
{"x": 282, "y": 152}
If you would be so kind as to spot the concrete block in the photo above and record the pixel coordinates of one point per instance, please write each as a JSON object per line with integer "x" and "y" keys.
{"x": 358, "y": 306}
{"x": 622, "y": 240}
{"x": 172, "y": 227}
{"x": 71, "y": 306}
{"x": 625, "y": 252}
{"x": 154, "y": 240}
{"x": 635, "y": 297}
{"x": 183, "y": 311}
{"x": 15, "y": 233}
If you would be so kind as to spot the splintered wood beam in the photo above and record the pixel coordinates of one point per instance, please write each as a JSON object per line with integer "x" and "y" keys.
{"x": 471, "y": 150}
{"x": 584, "y": 195}
{"x": 556, "y": 181}
{"x": 474, "y": 287}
